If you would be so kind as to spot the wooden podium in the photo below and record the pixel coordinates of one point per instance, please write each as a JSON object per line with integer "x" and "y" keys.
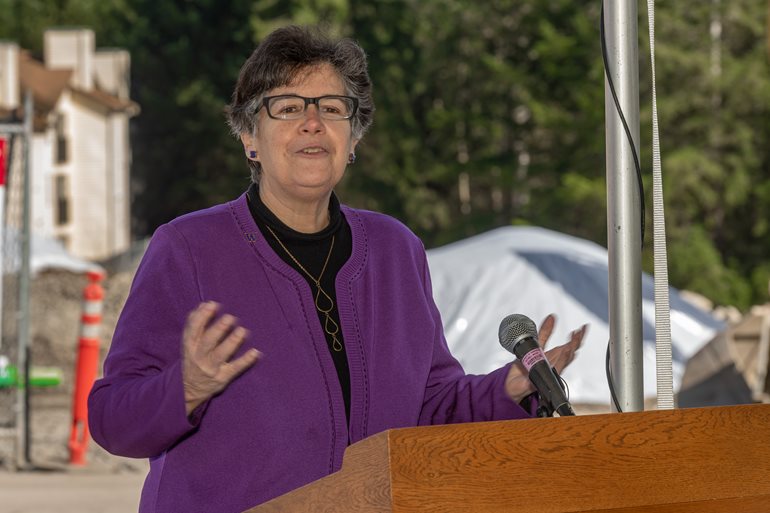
{"x": 702, "y": 460}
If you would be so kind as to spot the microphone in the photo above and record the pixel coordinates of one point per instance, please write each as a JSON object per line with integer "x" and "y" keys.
{"x": 518, "y": 335}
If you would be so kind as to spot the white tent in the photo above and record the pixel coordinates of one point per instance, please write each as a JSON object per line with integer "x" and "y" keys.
{"x": 534, "y": 271}
{"x": 45, "y": 254}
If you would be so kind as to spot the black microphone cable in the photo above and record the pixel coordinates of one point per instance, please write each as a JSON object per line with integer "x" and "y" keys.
{"x": 610, "y": 383}
{"x": 627, "y": 130}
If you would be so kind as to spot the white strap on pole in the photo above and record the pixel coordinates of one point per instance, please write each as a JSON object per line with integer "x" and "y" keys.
{"x": 758, "y": 392}
{"x": 663, "y": 359}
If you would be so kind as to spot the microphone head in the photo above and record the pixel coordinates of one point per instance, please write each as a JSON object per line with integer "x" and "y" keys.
{"x": 516, "y": 327}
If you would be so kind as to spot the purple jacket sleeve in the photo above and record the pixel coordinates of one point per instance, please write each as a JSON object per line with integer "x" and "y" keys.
{"x": 451, "y": 396}
{"x": 137, "y": 409}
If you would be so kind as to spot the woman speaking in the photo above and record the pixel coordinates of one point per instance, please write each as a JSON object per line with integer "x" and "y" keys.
{"x": 263, "y": 336}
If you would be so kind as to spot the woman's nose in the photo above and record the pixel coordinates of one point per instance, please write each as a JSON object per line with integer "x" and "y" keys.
{"x": 313, "y": 122}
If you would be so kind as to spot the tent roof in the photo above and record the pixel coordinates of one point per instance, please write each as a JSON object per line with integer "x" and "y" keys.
{"x": 534, "y": 271}
{"x": 45, "y": 254}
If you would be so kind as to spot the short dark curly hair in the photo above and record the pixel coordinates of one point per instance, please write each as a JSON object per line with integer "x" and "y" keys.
{"x": 277, "y": 61}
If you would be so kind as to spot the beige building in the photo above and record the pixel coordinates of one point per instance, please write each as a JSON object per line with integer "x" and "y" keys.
{"x": 80, "y": 151}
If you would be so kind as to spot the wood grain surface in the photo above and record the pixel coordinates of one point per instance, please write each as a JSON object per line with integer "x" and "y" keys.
{"x": 362, "y": 484}
{"x": 677, "y": 461}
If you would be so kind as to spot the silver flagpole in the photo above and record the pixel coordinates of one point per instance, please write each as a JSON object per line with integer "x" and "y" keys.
{"x": 623, "y": 204}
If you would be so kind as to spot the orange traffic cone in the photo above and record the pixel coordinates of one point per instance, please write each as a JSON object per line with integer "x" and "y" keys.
{"x": 87, "y": 365}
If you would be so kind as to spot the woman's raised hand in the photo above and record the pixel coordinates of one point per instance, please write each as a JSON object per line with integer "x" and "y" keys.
{"x": 517, "y": 383}
{"x": 208, "y": 345}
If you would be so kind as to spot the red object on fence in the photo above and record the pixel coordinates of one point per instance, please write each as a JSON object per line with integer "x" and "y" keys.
{"x": 3, "y": 161}
{"x": 86, "y": 367}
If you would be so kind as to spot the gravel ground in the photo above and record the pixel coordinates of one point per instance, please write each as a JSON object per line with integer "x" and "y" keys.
{"x": 48, "y": 483}
{"x": 71, "y": 491}
{"x": 55, "y": 309}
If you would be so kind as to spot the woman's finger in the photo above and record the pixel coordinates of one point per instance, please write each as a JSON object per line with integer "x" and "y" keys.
{"x": 224, "y": 351}
{"x": 197, "y": 322}
{"x": 560, "y": 357}
{"x": 231, "y": 370}
{"x": 577, "y": 336}
{"x": 217, "y": 331}
{"x": 546, "y": 328}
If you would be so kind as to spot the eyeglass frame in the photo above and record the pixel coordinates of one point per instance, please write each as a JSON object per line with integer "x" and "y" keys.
{"x": 266, "y": 104}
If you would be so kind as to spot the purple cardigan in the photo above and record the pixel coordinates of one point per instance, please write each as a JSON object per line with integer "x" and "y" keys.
{"x": 282, "y": 423}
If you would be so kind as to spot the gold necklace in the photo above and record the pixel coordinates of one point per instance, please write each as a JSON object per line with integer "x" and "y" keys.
{"x": 330, "y": 327}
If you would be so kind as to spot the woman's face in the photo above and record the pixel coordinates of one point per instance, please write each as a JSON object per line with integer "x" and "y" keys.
{"x": 303, "y": 159}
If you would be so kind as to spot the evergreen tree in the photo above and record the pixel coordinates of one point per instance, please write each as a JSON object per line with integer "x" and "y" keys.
{"x": 488, "y": 113}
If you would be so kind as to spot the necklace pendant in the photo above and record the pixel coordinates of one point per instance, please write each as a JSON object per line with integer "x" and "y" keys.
{"x": 322, "y": 299}
{"x": 331, "y": 327}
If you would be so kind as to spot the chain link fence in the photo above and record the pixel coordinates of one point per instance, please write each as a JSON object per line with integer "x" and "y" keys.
{"x": 11, "y": 312}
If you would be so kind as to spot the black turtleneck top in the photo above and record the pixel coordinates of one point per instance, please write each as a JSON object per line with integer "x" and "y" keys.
{"x": 311, "y": 250}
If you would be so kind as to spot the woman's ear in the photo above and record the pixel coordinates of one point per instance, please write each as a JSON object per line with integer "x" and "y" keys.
{"x": 249, "y": 146}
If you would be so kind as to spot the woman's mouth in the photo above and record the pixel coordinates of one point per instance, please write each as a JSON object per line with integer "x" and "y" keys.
{"x": 313, "y": 150}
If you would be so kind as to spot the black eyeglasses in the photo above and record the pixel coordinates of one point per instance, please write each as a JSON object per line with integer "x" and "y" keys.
{"x": 291, "y": 106}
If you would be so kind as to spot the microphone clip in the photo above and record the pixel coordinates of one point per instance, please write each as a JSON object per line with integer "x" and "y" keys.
{"x": 545, "y": 408}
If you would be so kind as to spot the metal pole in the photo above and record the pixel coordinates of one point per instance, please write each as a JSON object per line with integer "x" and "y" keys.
{"x": 4, "y": 150}
{"x": 623, "y": 204}
{"x": 10, "y": 129}
{"x": 22, "y": 419}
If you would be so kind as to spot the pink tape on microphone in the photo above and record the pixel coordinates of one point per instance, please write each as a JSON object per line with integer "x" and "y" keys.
{"x": 533, "y": 357}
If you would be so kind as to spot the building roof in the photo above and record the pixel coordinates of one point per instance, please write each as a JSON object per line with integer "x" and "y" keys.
{"x": 106, "y": 101}
{"x": 47, "y": 86}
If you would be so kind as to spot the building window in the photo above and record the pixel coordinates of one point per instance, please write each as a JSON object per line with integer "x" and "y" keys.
{"x": 61, "y": 141}
{"x": 61, "y": 192}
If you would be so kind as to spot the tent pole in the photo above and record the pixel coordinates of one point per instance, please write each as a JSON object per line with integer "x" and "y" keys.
{"x": 623, "y": 205}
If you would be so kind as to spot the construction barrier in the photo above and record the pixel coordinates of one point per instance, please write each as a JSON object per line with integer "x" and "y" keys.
{"x": 86, "y": 366}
